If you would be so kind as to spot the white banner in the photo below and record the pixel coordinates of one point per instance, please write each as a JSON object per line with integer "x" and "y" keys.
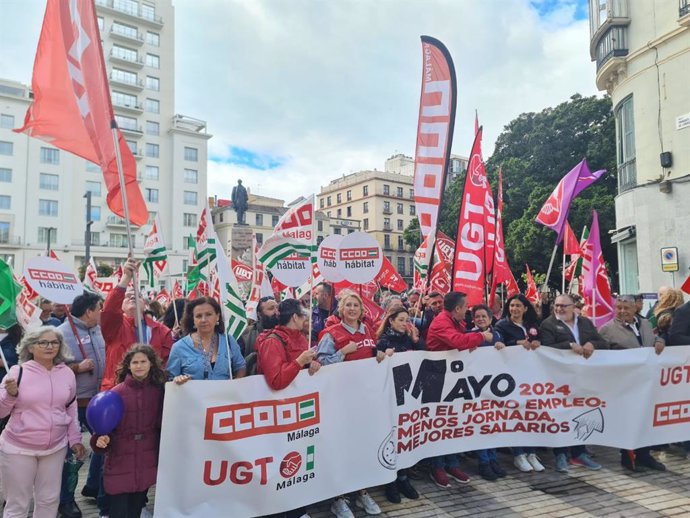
{"x": 240, "y": 449}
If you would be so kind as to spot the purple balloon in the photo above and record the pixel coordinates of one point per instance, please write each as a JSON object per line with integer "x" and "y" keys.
{"x": 105, "y": 412}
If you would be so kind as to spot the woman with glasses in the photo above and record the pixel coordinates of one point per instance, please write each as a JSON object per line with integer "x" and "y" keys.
{"x": 206, "y": 352}
{"x": 520, "y": 326}
{"x": 39, "y": 395}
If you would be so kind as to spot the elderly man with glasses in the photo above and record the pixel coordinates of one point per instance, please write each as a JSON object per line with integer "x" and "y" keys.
{"x": 566, "y": 330}
{"x": 630, "y": 331}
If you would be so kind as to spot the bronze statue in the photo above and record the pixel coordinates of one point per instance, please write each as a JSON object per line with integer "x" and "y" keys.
{"x": 239, "y": 202}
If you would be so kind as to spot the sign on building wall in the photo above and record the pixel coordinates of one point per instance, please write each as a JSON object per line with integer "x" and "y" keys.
{"x": 669, "y": 259}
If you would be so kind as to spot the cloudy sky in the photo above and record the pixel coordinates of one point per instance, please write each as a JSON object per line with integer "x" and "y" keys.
{"x": 299, "y": 92}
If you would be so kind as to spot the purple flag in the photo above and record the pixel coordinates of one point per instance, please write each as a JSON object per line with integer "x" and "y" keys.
{"x": 596, "y": 286}
{"x": 554, "y": 213}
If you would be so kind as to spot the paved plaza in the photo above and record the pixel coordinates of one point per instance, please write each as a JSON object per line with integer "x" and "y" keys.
{"x": 611, "y": 492}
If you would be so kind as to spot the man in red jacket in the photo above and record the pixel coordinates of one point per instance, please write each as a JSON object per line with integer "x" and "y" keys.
{"x": 119, "y": 329}
{"x": 448, "y": 330}
{"x": 446, "y": 333}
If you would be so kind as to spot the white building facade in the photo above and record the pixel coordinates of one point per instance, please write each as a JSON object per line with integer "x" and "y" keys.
{"x": 42, "y": 189}
{"x": 642, "y": 53}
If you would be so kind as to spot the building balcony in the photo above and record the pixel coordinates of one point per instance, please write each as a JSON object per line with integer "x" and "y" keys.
{"x": 684, "y": 13}
{"x": 188, "y": 124}
{"x": 132, "y": 132}
{"x": 117, "y": 222}
{"x": 387, "y": 228}
{"x": 10, "y": 241}
{"x": 610, "y": 54}
{"x": 119, "y": 33}
{"x": 124, "y": 106}
{"x": 137, "y": 15}
{"x": 627, "y": 176}
{"x": 387, "y": 211}
{"x": 125, "y": 59}
{"x": 388, "y": 247}
{"x": 134, "y": 84}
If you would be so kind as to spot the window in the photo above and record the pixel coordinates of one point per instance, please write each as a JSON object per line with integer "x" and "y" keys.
{"x": 95, "y": 238}
{"x": 412, "y": 210}
{"x": 189, "y": 220}
{"x": 348, "y": 195}
{"x": 386, "y": 207}
{"x": 95, "y": 214}
{"x": 153, "y": 83}
{"x": 5, "y": 175}
{"x": 94, "y": 188}
{"x": 336, "y": 230}
{"x": 365, "y": 207}
{"x": 6, "y": 121}
{"x": 49, "y": 182}
{"x": 401, "y": 225}
{"x": 187, "y": 243}
{"x": 412, "y": 194}
{"x": 220, "y": 217}
{"x": 153, "y": 61}
{"x": 5, "y": 201}
{"x": 365, "y": 223}
{"x": 339, "y": 213}
{"x": 319, "y": 225}
{"x": 124, "y": 53}
{"x": 151, "y": 172}
{"x": 411, "y": 265}
{"x": 386, "y": 190}
{"x": 259, "y": 220}
{"x": 93, "y": 168}
{"x": 401, "y": 265}
{"x": 259, "y": 238}
{"x": 152, "y": 150}
{"x": 148, "y": 12}
{"x": 190, "y": 198}
{"x": 45, "y": 232}
{"x": 191, "y": 176}
{"x": 126, "y": 123}
{"x": 399, "y": 208}
{"x": 191, "y": 154}
{"x": 275, "y": 218}
{"x": 47, "y": 207}
{"x": 387, "y": 241}
{"x": 625, "y": 145}
{"x": 4, "y": 232}
{"x": 319, "y": 240}
{"x": 328, "y": 201}
{"x": 132, "y": 146}
{"x": 153, "y": 128}
{"x": 123, "y": 99}
{"x": 153, "y": 38}
{"x": 322, "y": 203}
{"x": 7, "y": 148}
{"x": 338, "y": 198}
{"x": 118, "y": 240}
{"x": 348, "y": 212}
{"x": 151, "y": 195}
{"x": 365, "y": 190}
{"x": 399, "y": 192}
{"x": 50, "y": 156}
{"x": 125, "y": 30}
{"x": 401, "y": 243}
{"x": 152, "y": 106}
{"x": 386, "y": 223}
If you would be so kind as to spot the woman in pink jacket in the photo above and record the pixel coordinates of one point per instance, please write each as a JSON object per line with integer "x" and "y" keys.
{"x": 39, "y": 396}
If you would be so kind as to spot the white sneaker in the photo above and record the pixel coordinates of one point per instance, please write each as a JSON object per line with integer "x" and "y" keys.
{"x": 364, "y": 501}
{"x": 340, "y": 509}
{"x": 534, "y": 461}
{"x": 520, "y": 462}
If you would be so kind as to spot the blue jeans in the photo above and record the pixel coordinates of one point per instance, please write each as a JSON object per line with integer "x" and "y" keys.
{"x": 486, "y": 456}
{"x": 445, "y": 461}
{"x": 526, "y": 450}
{"x": 575, "y": 451}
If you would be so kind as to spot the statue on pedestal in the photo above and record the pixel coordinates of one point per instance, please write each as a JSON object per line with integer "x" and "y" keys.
{"x": 239, "y": 202}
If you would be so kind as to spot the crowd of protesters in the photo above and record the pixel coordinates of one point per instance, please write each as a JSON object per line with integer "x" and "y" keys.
{"x": 133, "y": 347}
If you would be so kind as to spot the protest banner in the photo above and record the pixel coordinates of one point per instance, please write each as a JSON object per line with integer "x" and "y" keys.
{"x": 327, "y": 258}
{"x": 359, "y": 258}
{"x": 252, "y": 451}
{"x": 52, "y": 279}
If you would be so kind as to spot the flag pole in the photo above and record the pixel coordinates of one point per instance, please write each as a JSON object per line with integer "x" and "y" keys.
{"x": 128, "y": 226}
{"x": 172, "y": 291}
{"x": 311, "y": 266}
{"x": 545, "y": 286}
{"x": 563, "y": 274}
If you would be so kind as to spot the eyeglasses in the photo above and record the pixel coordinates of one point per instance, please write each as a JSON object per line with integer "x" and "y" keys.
{"x": 562, "y": 306}
{"x": 45, "y": 344}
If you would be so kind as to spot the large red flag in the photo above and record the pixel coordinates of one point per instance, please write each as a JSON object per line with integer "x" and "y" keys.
{"x": 596, "y": 285}
{"x": 177, "y": 291}
{"x": 388, "y": 277}
{"x": 441, "y": 271}
{"x": 570, "y": 244}
{"x": 476, "y": 230}
{"x": 71, "y": 108}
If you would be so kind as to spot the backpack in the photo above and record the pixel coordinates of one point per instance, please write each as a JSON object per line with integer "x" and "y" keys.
{"x": 252, "y": 359}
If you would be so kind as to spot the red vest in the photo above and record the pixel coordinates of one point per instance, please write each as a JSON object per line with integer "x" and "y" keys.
{"x": 366, "y": 346}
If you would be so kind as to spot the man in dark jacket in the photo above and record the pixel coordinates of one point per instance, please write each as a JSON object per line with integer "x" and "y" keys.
{"x": 679, "y": 334}
{"x": 566, "y": 330}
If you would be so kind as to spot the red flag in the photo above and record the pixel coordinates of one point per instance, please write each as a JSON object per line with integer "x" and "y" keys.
{"x": 502, "y": 273}
{"x": 163, "y": 297}
{"x": 388, "y": 277}
{"x": 28, "y": 291}
{"x": 71, "y": 108}
{"x": 373, "y": 311}
{"x": 532, "y": 294}
{"x": 570, "y": 244}
{"x": 474, "y": 243}
{"x": 596, "y": 285}
{"x": 686, "y": 286}
{"x": 243, "y": 272}
{"x": 441, "y": 270}
{"x": 177, "y": 291}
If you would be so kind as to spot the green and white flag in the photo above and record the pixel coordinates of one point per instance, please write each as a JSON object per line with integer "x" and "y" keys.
{"x": 156, "y": 255}
{"x": 205, "y": 240}
{"x": 234, "y": 313}
{"x": 292, "y": 235}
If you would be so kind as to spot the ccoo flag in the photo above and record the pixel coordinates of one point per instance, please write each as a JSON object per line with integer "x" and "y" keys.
{"x": 71, "y": 108}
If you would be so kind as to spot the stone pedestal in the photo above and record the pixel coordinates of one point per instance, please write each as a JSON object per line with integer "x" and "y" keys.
{"x": 240, "y": 240}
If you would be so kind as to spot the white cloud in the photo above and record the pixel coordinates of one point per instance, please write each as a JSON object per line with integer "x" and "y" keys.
{"x": 333, "y": 87}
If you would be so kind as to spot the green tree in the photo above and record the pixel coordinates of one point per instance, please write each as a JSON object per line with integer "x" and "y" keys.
{"x": 412, "y": 235}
